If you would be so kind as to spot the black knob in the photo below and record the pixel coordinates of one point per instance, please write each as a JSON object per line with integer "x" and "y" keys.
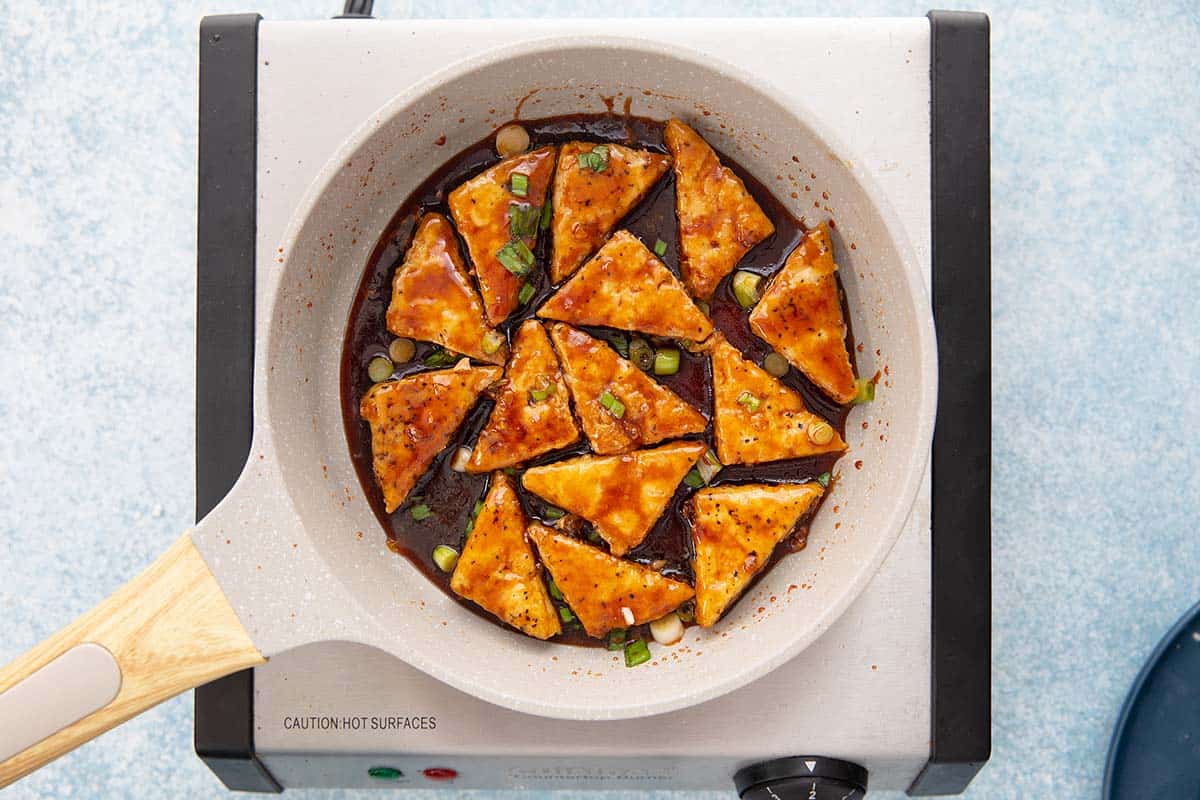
{"x": 801, "y": 778}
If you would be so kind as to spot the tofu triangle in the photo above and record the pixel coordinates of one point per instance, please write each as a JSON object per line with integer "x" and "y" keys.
{"x": 532, "y": 415}
{"x": 800, "y": 315}
{"x": 590, "y": 202}
{"x": 497, "y": 569}
{"x": 623, "y": 496}
{"x": 645, "y": 412}
{"x": 758, "y": 418}
{"x": 719, "y": 221}
{"x": 734, "y": 531}
{"x": 598, "y": 586}
{"x": 625, "y": 286}
{"x": 490, "y": 211}
{"x": 414, "y": 418}
{"x": 433, "y": 299}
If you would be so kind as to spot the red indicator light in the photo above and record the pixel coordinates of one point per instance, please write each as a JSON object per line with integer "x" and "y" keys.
{"x": 440, "y": 774}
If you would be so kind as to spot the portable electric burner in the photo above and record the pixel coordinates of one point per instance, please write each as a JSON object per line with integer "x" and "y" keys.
{"x": 895, "y": 695}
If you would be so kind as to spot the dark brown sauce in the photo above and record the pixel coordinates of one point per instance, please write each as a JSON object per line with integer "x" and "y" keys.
{"x": 450, "y": 495}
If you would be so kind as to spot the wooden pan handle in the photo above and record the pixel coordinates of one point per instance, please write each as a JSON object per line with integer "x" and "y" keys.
{"x": 168, "y": 630}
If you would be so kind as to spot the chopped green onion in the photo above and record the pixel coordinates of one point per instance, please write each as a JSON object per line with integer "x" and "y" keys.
{"x": 420, "y": 512}
{"x": 660, "y": 248}
{"x": 620, "y": 342}
{"x": 510, "y": 471}
{"x": 775, "y": 364}
{"x": 594, "y": 536}
{"x": 748, "y": 400}
{"x": 492, "y": 342}
{"x": 526, "y": 293}
{"x": 596, "y": 160}
{"x": 566, "y": 615}
{"x": 380, "y": 369}
{"x": 694, "y": 479}
{"x": 474, "y": 515}
{"x": 520, "y": 184}
{"x": 704, "y": 307}
{"x": 445, "y": 557}
{"x": 686, "y": 612}
{"x": 523, "y": 220}
{"x": 539, "y": 395}
{"x": 711, "y": 458}
{"x": 614, "y": 406}
{"x": 552, "y": 587}
{"x": 616, "y": 639}
{"x": 666, "y": 362}
{"x": 547, "y": 209}
{"x": 823, "y": 479}
{"x": 544, "y": 387}
{"x": 641, "y": 354}
{"x": 636, "y": 652}
{"x": 746, "y": 288}
{"x": 552, "y": 513}
{"x": 439, "y": 358}
{"x": 516, "y": 257}
{"x": 865, "y": 393}
{"x": 708, "y": 466}
{"x": 402, "y": 350}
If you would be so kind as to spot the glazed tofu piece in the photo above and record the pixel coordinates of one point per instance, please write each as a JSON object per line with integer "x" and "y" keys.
{"x": 618, "y": 405}
{"x": 595, "y": 186}
{"x": 758, "y": 418}
{"x": 603, "y": 591}
{"x": 623, "y": 496}
{"x": 433, "y": 299}
{"x": 497, "y": 569}
{"x": 800, "y": 315}
{"x": 532, "y": 415}
{"x": 734, "y": 531}
{"x": 497, "y": 212}
{"x": 625, "y": 286}
{"x": 414, "y": 418}
{"x": 719, "y": 222}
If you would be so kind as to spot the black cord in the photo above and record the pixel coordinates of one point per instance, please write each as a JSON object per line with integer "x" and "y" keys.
{"x": 357, "y": 9}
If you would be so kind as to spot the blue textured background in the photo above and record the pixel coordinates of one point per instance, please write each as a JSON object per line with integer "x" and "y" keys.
{"x": 1096, "y": 108}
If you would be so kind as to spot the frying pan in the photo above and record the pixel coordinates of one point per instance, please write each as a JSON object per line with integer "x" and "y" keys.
{"x": 281, "y": 562}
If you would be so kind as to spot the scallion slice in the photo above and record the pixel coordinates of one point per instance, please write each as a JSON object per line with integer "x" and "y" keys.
{"x": 523, "y": 220}
{"x": 666, "y": 362}
{"x": 552, "y": 587}
{"x": 636, "y": 652}
{"x": 526, "y": 294}
{"x": 566, "y": 615}
{"x": 614, "y": 406}
{"x": 492, "y": 342}
{"x": 686, "y": 612}
{"x": 474, "y": 515}
{"x": 510, "y": 471}
{"x": 420, "y": 512}
{"x": 539, "y": 395}
{"x": 823, "y": 479}
{"x": 748, "y": 400}
{"x": 746, "y": 287}
{"x": 552, "y": 513}
{"x": 516, "y": 257}
{"x": 694, "y": 479}
{"x": 445, "y": 557}
{"x": 708, "y": 466}
{"x": 619, "y": 342}
{"x": 616, "y": 639}
{"x": 547, "y": 210}
{"x": 641, "y": 354}
{"x": 866, "y": 391}
{"x": 520, "y": 184}
{"x": 660, "y": 248}
{"x": 439, "y": 358}
{"x": 380, "y": 369}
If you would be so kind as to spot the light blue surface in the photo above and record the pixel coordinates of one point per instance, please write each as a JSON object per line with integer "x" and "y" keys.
{"x": 1096, "y": 112}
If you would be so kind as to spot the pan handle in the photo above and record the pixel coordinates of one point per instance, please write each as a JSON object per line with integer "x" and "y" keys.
{"x": 168, "y": 630}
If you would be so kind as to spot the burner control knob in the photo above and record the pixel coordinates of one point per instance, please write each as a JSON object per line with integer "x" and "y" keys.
{"x": 801, "y": 778}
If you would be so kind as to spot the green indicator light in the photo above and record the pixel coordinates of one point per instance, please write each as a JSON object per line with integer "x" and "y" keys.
{"x": 385, "y": 773}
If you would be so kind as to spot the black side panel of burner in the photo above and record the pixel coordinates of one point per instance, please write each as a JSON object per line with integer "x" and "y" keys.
{"x": 224, "y": 734}
{"x": 961, "y": 471}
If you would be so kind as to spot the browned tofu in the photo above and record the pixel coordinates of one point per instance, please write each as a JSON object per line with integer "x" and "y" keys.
{"x": 485, "y": 210}
{"x": 800, "y": 315}
{"x": 588, "y": 203}
{"x": 625, "y": 286}
{"x": 647, "y": 412}
{"x": 433, "y": 299}
{"x": 734, "y": 531}
{"x": 598, "y": 586}
{"x": 497, "y": 569}
{"x": 719, "y": 222}
{"x": 414, "y": 418}
{"x": 623, "y": 496}
{"x": 532, "y": 415}
{"x": 758, "y": 418}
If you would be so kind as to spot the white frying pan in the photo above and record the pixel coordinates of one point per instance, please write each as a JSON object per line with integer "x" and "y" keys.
{"x": 280, "y": 562}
